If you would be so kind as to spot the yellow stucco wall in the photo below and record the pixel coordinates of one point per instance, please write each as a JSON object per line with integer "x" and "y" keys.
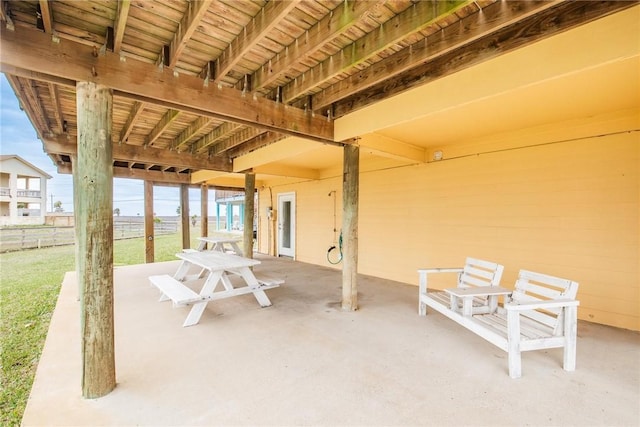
{"x": 558, "y": 205}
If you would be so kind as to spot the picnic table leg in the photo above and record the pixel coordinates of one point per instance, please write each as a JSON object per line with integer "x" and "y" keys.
{"x": 198, "y": 308}
{"x": 236, "y": 248}
{"x": 422, "y": 290}
{"x": 182, "y": 271}
{"x": 252, "y": 282}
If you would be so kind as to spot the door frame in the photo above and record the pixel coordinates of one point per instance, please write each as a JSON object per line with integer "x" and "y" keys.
{"x": 283, "y": 198}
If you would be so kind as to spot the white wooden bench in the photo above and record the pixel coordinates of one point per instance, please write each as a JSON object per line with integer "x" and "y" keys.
{"x": 541, "y": 313}
{"x": 174, "y": 290}
{"x": 475, "y": 273}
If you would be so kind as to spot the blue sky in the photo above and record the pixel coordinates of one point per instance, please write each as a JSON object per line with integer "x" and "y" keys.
{"x": 17, "y": 136}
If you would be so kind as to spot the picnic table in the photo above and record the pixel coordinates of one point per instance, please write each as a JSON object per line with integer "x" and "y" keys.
{"x": 221, "y": 244}
{"x": 218, "y": 267}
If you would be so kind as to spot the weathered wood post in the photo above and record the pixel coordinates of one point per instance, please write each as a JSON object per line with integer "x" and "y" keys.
{"x": 249, "y": 208}
{"x": 350, "y": 186}
{"x": 94, "y": 215}
{"x": 149, "y": 234}
{"x": 204, "y": 210}
{"x": 184, "y": 216}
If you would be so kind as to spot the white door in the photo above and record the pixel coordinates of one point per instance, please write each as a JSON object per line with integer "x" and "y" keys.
{"x": 287, "y": 224}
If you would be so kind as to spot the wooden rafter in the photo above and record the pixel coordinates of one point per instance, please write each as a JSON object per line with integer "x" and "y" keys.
{"x": 417, "y": 17}
{"x": 196, "y": 126}
{"x": 46, "y": 15}
{"x": 31, "y": 103}
{"x": 57, "y": 111}
{"x": 5, "y": 15}
{"x": 32, "y": 50}
{"x": 452, "y": 51}
{"x": 235, "y": 140}
{"x": 149, "y": 156}
{"x": 268, "y": 18}
{"x": 135, "y": 112}
{"x": 120, "y": 24}
{"x": 259, "y": 141}
{"x": 214, "y": 136}
{"x": 195, "y": 11}
{"x": 161, "y": 126}
{"x": 345, "y": 16}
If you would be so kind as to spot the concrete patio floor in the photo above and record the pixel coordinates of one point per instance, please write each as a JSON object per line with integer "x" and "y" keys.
{"x": 305, "y": 362}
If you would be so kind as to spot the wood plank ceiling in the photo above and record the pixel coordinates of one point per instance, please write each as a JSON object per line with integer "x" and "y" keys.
{"x": 198, "y": 83}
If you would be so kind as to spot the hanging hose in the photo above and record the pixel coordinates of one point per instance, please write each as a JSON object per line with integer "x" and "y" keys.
{"x": 333, "y": 259}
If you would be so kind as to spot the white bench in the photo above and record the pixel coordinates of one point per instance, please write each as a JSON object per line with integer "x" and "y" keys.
{"x": 174, "y": 290}
{"x": 475, "y": 273}
{"x": 266, "y": 280}
{"x": 541, "y": 313}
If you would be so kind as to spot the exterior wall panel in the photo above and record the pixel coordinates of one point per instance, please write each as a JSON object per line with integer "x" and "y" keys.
{"x": 568, "y": 208}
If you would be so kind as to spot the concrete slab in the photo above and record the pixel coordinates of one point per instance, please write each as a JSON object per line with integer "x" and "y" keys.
{"x": 305, "y": 362}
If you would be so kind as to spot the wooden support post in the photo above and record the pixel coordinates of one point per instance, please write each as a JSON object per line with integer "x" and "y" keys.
{"x": 204, "y": 210}
{"x": 184, "y": 216}
{"x": 350, "y": 187}
{"x": 94, "y": 215}
{"x": 249, "y": 208}
{"x": 149, "y": 235}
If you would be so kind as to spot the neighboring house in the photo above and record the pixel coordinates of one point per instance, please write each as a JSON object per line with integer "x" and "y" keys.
{"x": 23, "y": 192}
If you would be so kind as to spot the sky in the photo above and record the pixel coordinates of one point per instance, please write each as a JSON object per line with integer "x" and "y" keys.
{"x": 17, "y": 136}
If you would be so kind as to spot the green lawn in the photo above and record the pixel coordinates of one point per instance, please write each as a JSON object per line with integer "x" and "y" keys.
{"x": 29, "y": 286}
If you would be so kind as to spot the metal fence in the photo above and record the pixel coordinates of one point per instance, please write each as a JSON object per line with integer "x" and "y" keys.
{"x": 16, "y": 238}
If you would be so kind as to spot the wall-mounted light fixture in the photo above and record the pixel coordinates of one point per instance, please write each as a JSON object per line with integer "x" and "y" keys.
{"x": 437, "y": 155}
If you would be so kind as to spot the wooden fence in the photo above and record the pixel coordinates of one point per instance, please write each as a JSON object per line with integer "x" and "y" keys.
{"x": 17, "y": 238}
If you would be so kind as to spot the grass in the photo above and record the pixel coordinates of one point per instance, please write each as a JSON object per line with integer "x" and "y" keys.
{"x": 29, "y": 285}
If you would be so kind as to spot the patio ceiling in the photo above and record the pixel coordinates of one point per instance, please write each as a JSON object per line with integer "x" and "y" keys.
{"x": 204, "y": 88}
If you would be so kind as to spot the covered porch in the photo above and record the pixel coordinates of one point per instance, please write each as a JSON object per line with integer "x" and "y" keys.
{"x": 304, "y": 361}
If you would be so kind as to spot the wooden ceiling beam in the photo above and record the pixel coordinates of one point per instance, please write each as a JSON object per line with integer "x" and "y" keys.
{"x": 417, "y": 17}
{"x": 57, "y": 110}
{"x": 212, "y": 137}
{"x": 193, "y": 128}
{"x": 46, "y": 15}
{"x": 475, "y": 39}
{"x": 161, "y": 126}
{"x": 25, "y": 105}
{"x": 150, "y": 156}
{"x": 120, "y": 24}
{"x": 343, "y": 17}
{"x": 135, "y": 112}
{"x": 142, "y": 174}
{"x": 32, "y": 50}
{"x": 234, "y": 140}
{"x": 31, "y": 103}
{"x": 5, "y": 15}
{"x": 195, "y": 11}
{"x": 267, "y": 19}
{"x": 256, "y": 143}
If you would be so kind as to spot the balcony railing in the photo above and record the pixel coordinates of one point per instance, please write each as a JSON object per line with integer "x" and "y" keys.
{"x": 29, "y": 193}
{"x": 4, "y": 191}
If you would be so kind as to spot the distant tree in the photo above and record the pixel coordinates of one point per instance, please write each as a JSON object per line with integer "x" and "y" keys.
{"x": 57, "y": 206}
{"x": 116, "y": 211}
{"x": 179, "y": 210}
{"x": 194, "y": 219}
